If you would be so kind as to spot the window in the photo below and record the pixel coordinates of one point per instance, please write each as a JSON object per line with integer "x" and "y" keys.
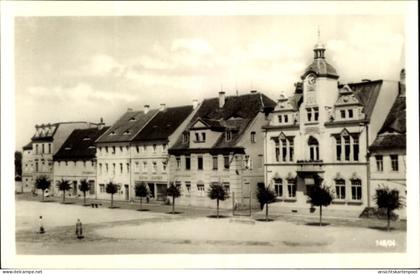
{"x": 350, "y": 112}
{"x": 113, "y": 168}
{"x": 187, "y": 163}
{"x": 137, "y": 149}
{"x": 144, "y": 148}
{"x": 121, "y": 149}
{"x": 291, "y": 149}
{"x": 137, "y": 166}
{"x": 113, "y": 150}
{"x": 309, "y": 115}
{"x": 356, "y": 189}
{"x": 201, "y": 189}
{"x": 338, "y": 147}
{"x": 228, "y": 135}
{"x": 343, "y": 114}
{"x": 226, "y": 185}
{"x": 106, "y": 167}
{"x": 203, "y": 136}
{"x": 163, "y": 147}
{"x": 312, "y": 114}
{"x": 36, "y": 166}
{"x": 247, "y": 162}
{"x": 347, "y": 147}
{"x": 84, "y": 163}
{"x": 164, "y": 165}
{"x": 49, "y": 148}
{"x": 200, "y": 162}
{"x": 178, "y": 185}
{"x": 188, "y": 186}
{"x": 313, "y": 149}
{"x": 128, "y": 167}
{"x": 340, "y": 189}
{"x": 280, "y": 118}
{"x": 42, "y": 148}
{"x": 154, "y": 148}
{"x": 121, "y": 168}
{"x": 277, "y": 150}
{"x": 394, "y": 162}
{"x": 286, "y": 118}
{"x": 106, "y": 149}
{"x": 278, "y": 187}
{"x": 154, "y": 166}
{"x": 215, "y": 163}
{"x": 100, "y": 168}
{"x": 91, "y": 187}
{"x": 144, "y": 166}
{"x": 284, "y": 149}
{"x": 36, "y": 149}
{"x": 356, "y": 148}
{"x": 226, "y": 162}
{"x": 379, "y": 162}
{"x": 178, "y": 162}
{"x": 291, "y": 188}
{"x": 101, "y": 188}
{"x": 197, "y": 137}
{"x": 253, "y": 137}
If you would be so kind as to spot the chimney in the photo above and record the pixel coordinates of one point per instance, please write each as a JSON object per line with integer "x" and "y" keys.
{"x": 146, "y": 109}
{"x": 221, "y": 99}
{"x": 195, "y": 103}
{"x": 101, "y": 123}
{"x": 401, "y": 84}
{"x": 129, "y": 109}
{"x": 162, "y": 107}
{"x": 254, "y": 91}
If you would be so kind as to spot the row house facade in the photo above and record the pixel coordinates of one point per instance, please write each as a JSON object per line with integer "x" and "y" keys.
{"x": 113, "y": 152}
{"x": 149, "y": 149}
{"x": 27, "y": 168}
{"x": 320, "y": 134}
{"x": 388, "y": 151}
{"x": 222, "y": 143}
{"x": 76, "y": 161}
{"x": 47, "y": 140}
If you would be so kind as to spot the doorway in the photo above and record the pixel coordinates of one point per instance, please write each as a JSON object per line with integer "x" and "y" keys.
{"x": 127, "y": 193}
{"x": 74, "y": 188}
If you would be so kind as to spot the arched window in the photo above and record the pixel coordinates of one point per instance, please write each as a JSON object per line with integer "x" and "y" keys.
{"x": 313, "y": 149}
{"x": 278, "y": 187}
{"x": 291, "y": 187}
{"x": 356, "y": 189}
{"x": 340, "y": 189}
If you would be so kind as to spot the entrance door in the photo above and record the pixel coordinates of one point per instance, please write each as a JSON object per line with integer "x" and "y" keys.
{"x": 74, "y": 188}
{"x": 127, "y": 193}
{"x": 161, "y": 192}
{"x": 151, "y": 189}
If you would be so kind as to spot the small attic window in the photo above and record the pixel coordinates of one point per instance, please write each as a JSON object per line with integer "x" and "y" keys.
{"x": 86, "y": 139}
{"x": 127, "y": 132}
{"x": 132, "y": 119}
{"x": 67, "y": 148}
{"x": 228, "y": 135}
{"x": 91, "y": 147}
{"x": 112, "y": 133}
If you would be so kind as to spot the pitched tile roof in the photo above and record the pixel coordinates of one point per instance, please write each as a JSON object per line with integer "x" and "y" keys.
{"x": 393, "y": 131}
{"x": 27, "y": 146}
{"x": 80, "y": 145}
{"x": 234, "y": 116}
{"x": 127, "y": 127}
{"x": 367, "y": 93}
{"x": 163, "y": 124}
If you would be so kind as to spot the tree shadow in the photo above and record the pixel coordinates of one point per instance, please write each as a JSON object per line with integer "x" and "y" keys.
{"x": 112, "y": 207}
{"x": 67, "y": 203}
{"x": 215, "y": 216}
{"x": 382, "y": 228}
{"x": 47, "y": 201}
{"x": 317, "y": 224}
{"x": 176, "y": 212}
{"x": 143, "y": 209}
{"x": 264, "y": 220}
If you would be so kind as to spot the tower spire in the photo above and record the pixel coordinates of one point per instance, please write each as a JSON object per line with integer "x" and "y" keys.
{"x": 319, "y": 49}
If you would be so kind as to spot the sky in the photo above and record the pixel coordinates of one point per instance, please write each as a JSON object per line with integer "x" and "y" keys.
{"x": 85, "y": 68}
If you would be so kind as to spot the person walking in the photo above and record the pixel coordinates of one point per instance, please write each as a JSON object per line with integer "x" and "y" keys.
{"x": 79, "y": 229}
{"x": 41, "y": 226}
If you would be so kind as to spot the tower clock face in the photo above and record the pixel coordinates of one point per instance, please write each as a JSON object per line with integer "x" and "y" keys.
{"x": 311, "y": 79}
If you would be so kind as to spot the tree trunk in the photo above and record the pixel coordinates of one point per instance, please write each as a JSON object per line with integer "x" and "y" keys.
{"x": 84, "y": 197}
{"x": 64, "y": 196}
{"x": 141, "y": 203}
{"x": 217, "y": 209}
{"x": 266, "y": 212}
{"x": 43, "y": 195}
{"x": 173, "y": 204}
{"x": 388, "y": 215}
{"x": 112, "y": 200}
{"x": 320, "y": 215}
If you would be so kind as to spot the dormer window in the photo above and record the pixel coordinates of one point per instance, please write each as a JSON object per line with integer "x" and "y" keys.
{"x": 86, "y": 139}
{"x": 127, "y": 132}
{"x": 253, "y": 137}
{"x": 228, "y": 135}
{"x": 67, "y": 148}
{"x": 283, "y": 118}
{"x": 91, "y": 147}
{"x": 312, "y": 114}
{"x": 112, "y": 133}
{"x": 132, "y": 119}
{"x": 200, "y": 137}
{"x": 350, "y": 112}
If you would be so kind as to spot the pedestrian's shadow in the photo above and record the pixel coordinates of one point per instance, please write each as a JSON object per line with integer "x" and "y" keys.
{"x": 174, "y": 213}
{"x": 215, "y": 216}
{"x": 264, "y": 220}
{"x": 143, "y": 209}
{"x": 317, "y": 224}
{"x": 382, "y": 228}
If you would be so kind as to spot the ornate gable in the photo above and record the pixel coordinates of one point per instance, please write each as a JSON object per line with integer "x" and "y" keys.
{"x": 346, "y": 97}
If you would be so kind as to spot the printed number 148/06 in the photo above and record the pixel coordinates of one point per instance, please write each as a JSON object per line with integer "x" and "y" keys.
{"x": 385, "y": 243}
